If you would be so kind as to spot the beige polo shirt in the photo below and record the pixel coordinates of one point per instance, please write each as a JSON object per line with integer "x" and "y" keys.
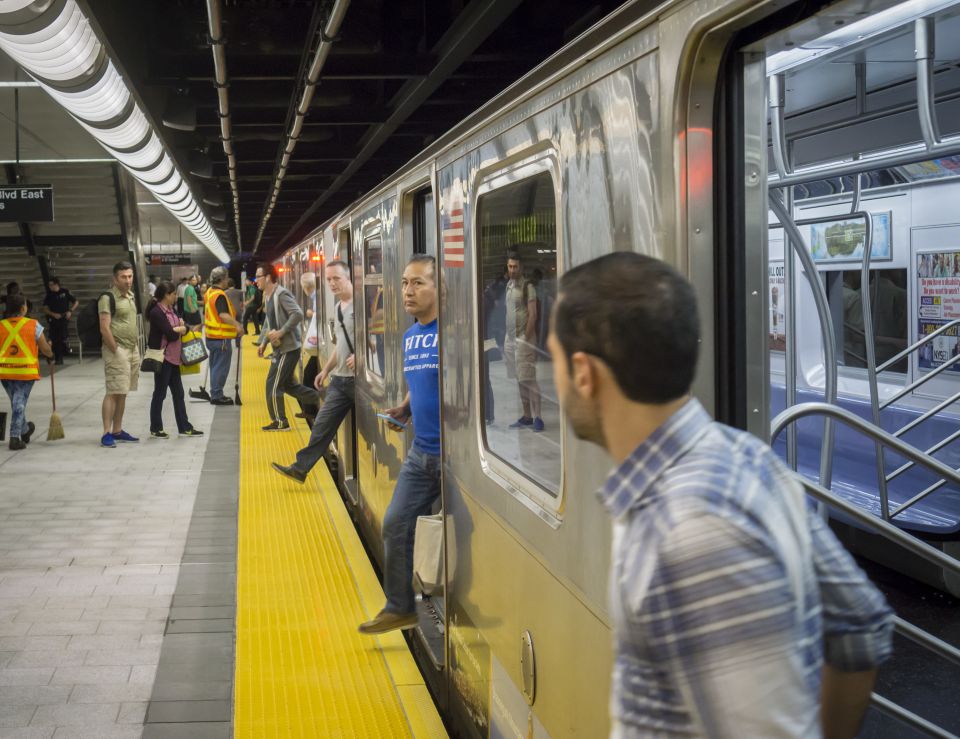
{"x": 123, "y": 324}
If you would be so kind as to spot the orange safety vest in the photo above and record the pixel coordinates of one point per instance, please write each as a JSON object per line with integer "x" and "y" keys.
{"x": 216, "y": 328}
{"x": 19, "y": 358}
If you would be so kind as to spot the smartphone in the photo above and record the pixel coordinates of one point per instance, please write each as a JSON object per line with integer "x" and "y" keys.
{"x": 392, "y": 421}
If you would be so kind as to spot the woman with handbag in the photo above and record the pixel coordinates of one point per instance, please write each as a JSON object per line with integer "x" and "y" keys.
{"x": 163, "y": 358}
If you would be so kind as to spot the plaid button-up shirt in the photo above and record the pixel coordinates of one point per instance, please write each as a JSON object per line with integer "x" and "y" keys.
{"x": 727, "y": 591}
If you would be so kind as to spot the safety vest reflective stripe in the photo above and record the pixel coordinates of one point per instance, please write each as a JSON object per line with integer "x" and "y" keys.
{"x": 216, "y": 328}
{"x": 19, "y": 358}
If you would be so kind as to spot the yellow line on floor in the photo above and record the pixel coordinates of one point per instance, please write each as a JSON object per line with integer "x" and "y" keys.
{"x": 304, "y": 582}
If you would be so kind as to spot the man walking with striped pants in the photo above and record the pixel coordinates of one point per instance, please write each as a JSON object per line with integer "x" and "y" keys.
{"x": 281, "y": 329}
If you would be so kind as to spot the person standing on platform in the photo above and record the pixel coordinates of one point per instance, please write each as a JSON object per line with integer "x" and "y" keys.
{"x": 21, "y": 343}
{"x": 520, "y": 342}
{"x": 181, "y": 291}
{"x": 252, "y": 303}
{"x": 152, "y": 285}
{"x": 117, "y": 309}
{"x": 418, "y": 485}
{"x": 338, "y": 401}
{"x": 191, "y": 303}
{"x": 59, "y": 306}
{"x": 166, "y": 329}
{"x": 281, "y": 329}
{"x": 311, "y": 342}
{"x": 222, "y": 327}
{"x": 735, "y": 610}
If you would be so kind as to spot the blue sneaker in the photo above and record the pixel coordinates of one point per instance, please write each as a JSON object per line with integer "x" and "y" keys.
{"x": 538, "y": 424}
{"x": 522, "y": 422}
{"x": 124, "y": 436}
{"x": 107, "y": 440}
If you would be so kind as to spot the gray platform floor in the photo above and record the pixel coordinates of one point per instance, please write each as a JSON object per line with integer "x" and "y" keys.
{"x": 91, "y": 545}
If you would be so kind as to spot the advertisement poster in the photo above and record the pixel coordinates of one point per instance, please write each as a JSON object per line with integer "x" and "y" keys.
{"x": 938, "y": 295}
{"x": 776, "y": 300}
{"x": 842, "y": 240}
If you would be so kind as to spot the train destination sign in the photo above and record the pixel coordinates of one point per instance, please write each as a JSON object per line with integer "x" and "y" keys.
{"x": 26, "y": 204}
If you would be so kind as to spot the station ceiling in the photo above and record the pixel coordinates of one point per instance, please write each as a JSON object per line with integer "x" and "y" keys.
{"x": 400, "y": 73}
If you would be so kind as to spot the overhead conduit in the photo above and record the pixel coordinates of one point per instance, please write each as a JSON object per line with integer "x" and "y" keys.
{"x": 327, "y": 36}
{"x": 55, "y": 43}
{"x": 222, "y": 83}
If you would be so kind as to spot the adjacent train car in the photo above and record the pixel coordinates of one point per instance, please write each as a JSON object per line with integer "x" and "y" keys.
{"x": 650, "y": 132}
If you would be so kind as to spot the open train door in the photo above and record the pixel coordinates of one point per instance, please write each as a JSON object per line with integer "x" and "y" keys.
{"x": 347, "y": 434}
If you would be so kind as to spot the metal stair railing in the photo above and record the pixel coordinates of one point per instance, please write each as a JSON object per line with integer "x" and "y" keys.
{"x": 886, "y": 530}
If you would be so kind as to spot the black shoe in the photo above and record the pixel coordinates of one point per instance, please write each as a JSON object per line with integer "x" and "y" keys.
{"x": 191, "y": 432}
{"x": 25, "y": 436}
{"x": 59, "y": 361}
{"x": 222, "y": 401}
{"x": 292, "y": 472}
{"x": 277, "y": 426}
{"x": 16, "y": 444}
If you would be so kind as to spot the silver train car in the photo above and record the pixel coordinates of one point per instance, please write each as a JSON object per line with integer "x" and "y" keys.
{"x": 653, "y": 131}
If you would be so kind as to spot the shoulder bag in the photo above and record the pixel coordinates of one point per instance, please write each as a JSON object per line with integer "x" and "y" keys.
{"x": 346, "y": 334}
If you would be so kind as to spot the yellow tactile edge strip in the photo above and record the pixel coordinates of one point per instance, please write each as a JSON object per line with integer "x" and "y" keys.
{"x": 304, "y": 582}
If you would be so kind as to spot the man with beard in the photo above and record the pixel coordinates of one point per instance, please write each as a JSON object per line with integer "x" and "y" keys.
{"x": 735, "y": 610}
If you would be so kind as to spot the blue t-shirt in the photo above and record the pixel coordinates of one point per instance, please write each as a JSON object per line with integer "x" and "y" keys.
{"x": 421, "y": 365}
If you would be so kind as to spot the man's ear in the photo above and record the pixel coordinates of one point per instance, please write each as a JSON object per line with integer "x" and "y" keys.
{"x": 584, "y": 375}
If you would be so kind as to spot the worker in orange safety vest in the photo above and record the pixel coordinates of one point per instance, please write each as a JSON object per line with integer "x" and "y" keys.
{"x": 21, "y": 342}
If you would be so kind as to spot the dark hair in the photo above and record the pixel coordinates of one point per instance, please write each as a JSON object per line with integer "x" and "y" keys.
{"x": 13, "y": 288}
{"x": 341, "y": 264}
{"x": 638, "y": 315}
{"x": 121, "y": 267}
{"x": 14, "y": 304}
{"x": 514, "y": 255}
{"x": 164, "y": 288}
{"x": 54, "y": 280}
{"x": 269, "y": 270}
{"x": 425, "y": 259}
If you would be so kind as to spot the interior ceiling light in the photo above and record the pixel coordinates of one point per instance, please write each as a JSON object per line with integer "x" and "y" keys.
{"x": 55, "y": 43}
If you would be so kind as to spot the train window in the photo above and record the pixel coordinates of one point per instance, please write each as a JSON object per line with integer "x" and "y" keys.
{"x": 373, "y": 303}
{"x": 888, "y": 305}
{"x": 517, "y": 237}
{"x": 424, "y": 223}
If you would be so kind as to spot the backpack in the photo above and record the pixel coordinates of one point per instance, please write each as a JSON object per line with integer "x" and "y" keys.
{"x": 88, "y": 321}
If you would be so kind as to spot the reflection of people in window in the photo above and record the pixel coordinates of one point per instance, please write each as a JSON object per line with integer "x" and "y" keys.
{"x": 888, "y": 307}
{"x": 493, "y": 336}
{"x": 375, "y": 327}
{"x": 520, "y": 342}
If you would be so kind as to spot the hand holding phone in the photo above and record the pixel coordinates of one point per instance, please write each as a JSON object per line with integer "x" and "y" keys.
{"x": 396, "y": 424}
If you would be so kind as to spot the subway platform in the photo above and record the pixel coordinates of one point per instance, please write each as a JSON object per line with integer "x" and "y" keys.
{"x": 181, "y": 589}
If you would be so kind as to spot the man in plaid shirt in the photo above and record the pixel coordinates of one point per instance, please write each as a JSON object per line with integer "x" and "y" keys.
{"x": 736, "y": 612}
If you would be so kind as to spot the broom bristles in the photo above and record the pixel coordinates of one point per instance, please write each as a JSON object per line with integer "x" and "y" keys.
{"x": 56, "y": 428}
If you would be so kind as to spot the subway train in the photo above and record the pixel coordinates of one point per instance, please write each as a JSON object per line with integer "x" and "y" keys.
{"x": 765, "y": 149}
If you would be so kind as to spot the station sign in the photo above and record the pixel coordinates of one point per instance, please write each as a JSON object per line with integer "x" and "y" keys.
{"x": 26, "y": 204}
{"x": 166, "y": 260}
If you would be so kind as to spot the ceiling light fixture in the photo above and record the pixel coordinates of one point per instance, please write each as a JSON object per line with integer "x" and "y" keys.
{"x": 56, "y": 45}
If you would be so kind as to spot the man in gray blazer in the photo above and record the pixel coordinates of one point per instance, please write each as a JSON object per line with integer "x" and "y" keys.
{"x": 281, "y": 329}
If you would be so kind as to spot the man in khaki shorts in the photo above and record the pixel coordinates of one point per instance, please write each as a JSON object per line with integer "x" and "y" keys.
{"x": 121, "y": 352}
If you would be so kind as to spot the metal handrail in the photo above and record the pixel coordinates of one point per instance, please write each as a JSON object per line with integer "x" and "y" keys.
{"x": 909, "y": 717}
{"x": 791, "y": 415}
{"x": 917, "y": 344}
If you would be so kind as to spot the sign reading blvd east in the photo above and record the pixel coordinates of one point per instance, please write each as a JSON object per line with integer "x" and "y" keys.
{"x": 26, "y": 204}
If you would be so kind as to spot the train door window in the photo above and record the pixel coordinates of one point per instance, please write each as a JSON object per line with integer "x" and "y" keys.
{"x": 373, "y": 303}
{"x": 517, "y": 265}
{"x": 888, "y": 307}
{"x": 424, "y": 223}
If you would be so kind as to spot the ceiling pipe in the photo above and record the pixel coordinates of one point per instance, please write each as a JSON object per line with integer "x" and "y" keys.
{"x": 328, "y": 34}
{"x": 57, "y": 46}
{"x": 221, "y": 82}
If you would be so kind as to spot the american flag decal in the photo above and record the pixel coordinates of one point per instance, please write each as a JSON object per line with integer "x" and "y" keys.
{"x": 453, "y": 254}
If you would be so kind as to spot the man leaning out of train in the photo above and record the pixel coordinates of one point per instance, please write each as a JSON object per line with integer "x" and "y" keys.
{"x": 418, "y": 485}
{"x": 736, "y": 611}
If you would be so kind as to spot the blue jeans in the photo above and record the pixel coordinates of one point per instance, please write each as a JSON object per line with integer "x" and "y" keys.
{"x": 417, "y": 488}
{"x": 336, "y": 406}
{"x": 19, "y": 391}
{"x": 219, "y": 351}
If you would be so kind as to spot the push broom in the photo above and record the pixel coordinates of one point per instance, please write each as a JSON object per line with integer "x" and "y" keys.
{"x": 56, "y": 425}
{"x": 202, "y": 393}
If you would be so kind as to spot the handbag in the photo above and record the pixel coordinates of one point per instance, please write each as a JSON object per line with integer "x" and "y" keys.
{"x": 190, "y": 369}
{"x": 192, "y": 349}
{"x": 428, "y": 555}
{"x": 152, "y": 360}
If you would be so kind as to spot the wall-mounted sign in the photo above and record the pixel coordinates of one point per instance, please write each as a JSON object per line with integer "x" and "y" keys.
{"x": 165, "y": 260}
{"x": 26, "y": 204}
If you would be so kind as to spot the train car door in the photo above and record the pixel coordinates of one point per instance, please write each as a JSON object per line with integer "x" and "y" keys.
{"x": 347, "y": 435}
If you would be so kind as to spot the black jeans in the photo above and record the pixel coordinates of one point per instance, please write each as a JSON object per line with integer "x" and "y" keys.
{"x": 309, "y": 375}
{"x": 168, "y": 377}
{"x": 59, "y": 329}
{"x": 251, "y": 313}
